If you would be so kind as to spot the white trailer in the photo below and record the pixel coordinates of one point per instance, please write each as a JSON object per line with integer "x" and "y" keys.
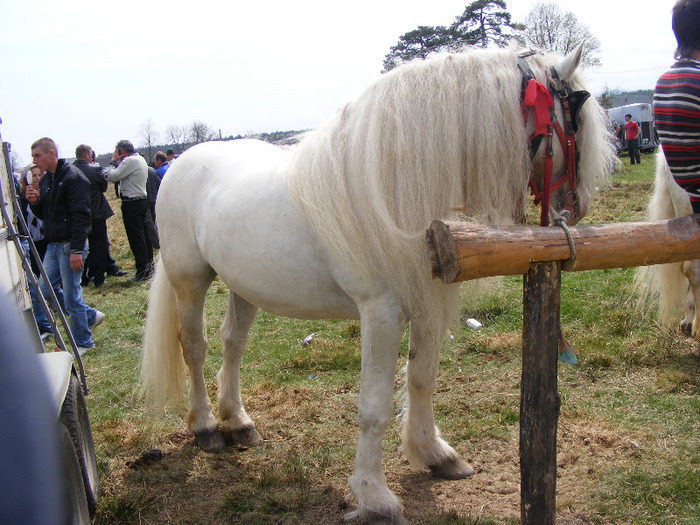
{"x": 60, "y": 376}
{"x": 642, "y": 114}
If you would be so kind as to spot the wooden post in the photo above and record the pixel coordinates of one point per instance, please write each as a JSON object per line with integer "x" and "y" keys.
{"x": 539, "y": 398}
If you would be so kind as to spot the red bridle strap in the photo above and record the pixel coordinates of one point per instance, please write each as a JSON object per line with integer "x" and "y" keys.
{"x": 537, "y": 99}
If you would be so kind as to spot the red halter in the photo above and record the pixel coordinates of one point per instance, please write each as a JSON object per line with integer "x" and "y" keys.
{"x": 536, "y": 98}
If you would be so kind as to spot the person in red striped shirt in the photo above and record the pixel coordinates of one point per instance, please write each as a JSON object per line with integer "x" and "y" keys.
{"x": 677, "y": 102}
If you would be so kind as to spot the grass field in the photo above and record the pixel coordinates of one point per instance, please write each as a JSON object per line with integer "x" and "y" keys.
{"x": 628, "y": 443}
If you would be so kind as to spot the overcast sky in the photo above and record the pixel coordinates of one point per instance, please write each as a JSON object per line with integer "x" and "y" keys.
{"x": 93, "y": 72}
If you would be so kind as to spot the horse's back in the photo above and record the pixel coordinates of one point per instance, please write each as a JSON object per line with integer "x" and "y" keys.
{"x": 201, "y": 167}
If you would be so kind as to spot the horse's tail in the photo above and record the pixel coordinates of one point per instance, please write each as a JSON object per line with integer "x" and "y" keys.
{"x": 663, "y": 285}
{"x": 162, "y": 365}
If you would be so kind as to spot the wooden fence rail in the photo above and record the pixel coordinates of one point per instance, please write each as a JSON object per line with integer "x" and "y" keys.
{"x": 460, "y": 251}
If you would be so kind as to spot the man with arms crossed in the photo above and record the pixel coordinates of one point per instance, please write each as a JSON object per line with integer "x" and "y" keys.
{"x": 131, "y": 171}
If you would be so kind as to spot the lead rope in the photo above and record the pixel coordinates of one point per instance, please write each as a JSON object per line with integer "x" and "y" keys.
{"x": 567, "y": 353}
{"x": 561, "y": 220}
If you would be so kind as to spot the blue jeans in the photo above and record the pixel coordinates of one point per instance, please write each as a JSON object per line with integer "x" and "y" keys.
{"x": 80, "y": 315}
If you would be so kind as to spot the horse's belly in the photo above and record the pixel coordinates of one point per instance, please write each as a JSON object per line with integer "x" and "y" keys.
{"x": 287, "y": 286}
{"x": 272, "y": 258}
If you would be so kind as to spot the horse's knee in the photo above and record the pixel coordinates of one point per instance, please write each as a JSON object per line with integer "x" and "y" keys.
{"x": 373, "y": 422}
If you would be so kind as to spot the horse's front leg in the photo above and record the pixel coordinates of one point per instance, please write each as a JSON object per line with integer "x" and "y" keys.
{"x": 382, "y": 326}
{"x": 235, "y": 423}
{"x": 422, "y": 443}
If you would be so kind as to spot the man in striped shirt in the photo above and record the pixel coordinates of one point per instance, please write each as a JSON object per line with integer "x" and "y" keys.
{"x": 677, "y": 102}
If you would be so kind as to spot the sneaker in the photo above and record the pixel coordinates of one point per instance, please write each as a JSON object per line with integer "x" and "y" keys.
{"x": 82, "y": 350}
{"x": 118, "y": 273}
{"x": 46, "y": 336}
{"x": 99, "y": 317}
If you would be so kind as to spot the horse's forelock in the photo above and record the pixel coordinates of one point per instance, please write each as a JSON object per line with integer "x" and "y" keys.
{"x": 594, "y": 138}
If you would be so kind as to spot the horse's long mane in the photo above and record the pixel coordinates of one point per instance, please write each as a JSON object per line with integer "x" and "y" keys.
{"x": 425, "y": 139}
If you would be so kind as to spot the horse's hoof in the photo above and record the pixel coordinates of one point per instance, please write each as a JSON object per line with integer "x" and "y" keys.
{"x": 246, "y": 436}
{"x": 398, "y": 520}
{"x": 452, "y": 469}
{"x": 209, "y": 440}
{"x": 687, "y": 329}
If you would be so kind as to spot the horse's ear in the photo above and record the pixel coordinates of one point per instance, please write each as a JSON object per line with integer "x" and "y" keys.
{"x": 571, "y": 61}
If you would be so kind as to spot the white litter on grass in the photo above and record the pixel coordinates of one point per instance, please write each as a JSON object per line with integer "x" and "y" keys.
{"x": 307, "y": 339}
{"x": 473, "y": 323}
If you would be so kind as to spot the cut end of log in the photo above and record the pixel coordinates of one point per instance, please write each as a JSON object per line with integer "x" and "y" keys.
{"x": 442, "y": 252}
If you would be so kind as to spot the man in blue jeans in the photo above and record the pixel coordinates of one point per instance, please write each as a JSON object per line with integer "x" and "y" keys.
{"x": 63, "y": 204}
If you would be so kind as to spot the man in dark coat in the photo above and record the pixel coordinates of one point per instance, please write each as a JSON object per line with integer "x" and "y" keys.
{"x": 99, "y": 261}
{"x": 63, "y": 203}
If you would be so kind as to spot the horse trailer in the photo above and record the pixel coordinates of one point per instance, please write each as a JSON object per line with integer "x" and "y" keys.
{"x": 47, "y": 454}
{"x": 642, "y": 115}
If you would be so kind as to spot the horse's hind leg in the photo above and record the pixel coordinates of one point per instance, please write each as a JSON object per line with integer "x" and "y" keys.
{"x": 190, "y": 294}
{"x": 422, "y": 443}
{"x": 235, "y": 423}
{"x": 691, "y": 269}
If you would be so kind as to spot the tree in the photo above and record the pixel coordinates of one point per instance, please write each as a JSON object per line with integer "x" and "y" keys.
{"x": 549, "y": 28}
{"x": 606, "y": 97}
{"x": 149, "y": 136}
{"x": 200, "y": 132}
{"x": 419, "y": 43}
{"x": 177, "y": 136}
{"x": 484, "y": 22}
{"x": 16, "y": 163}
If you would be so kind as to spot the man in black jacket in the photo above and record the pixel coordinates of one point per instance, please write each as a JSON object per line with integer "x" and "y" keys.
{"x": 63, "y": 203}
{"x": 99, "y": 261}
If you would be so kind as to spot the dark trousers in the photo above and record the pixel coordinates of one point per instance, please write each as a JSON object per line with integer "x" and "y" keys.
{"x": 152, "y": 229}
{"x": 633, "y": 150}
{"x": 134, "y": 216}
{"x": 40, "y": 246}
{"x": 98, "y": 256}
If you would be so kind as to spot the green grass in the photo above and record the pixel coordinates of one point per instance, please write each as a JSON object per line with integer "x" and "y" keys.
{"x": 629, "y": 447}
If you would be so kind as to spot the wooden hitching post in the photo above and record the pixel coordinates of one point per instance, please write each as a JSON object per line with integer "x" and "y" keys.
{"x": 539, "y": 405}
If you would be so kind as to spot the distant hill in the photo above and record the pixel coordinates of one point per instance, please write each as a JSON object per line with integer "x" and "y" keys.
{"x": 614, "y": 98}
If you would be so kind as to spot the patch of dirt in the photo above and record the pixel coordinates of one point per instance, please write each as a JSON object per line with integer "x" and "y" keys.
{"x": 299, "y": 473}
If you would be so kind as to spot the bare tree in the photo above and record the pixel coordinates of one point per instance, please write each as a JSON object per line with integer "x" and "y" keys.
{"x": 16, "y": 163}
{"x": 606, "y": 97}
{"x": 149, "y": 136}
{"x": 200, "y": 132}
{"x": 549, "y": 28}
{"x": 177, "y": 136}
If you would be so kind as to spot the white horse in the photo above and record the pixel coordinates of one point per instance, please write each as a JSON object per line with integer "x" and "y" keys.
{"x": 335, "y": 228}
{"x": 674, "y": 287}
